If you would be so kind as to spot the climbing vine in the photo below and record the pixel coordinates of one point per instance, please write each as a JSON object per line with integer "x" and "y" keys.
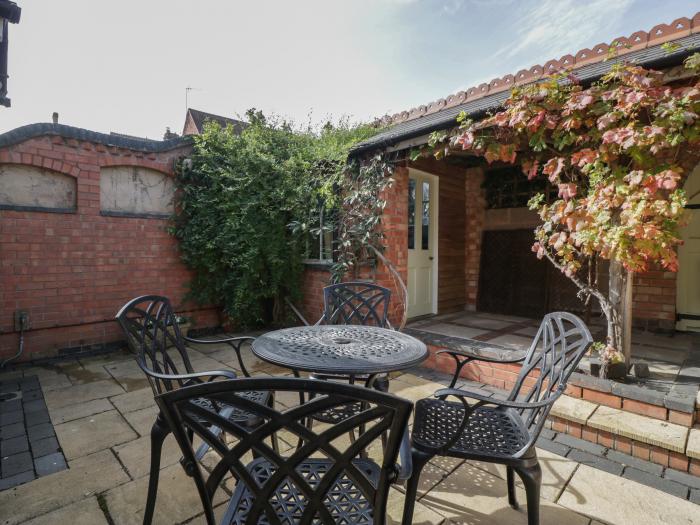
{"x": 618, "y": 151}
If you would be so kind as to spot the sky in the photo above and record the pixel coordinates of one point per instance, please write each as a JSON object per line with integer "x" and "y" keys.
{"x": 124, "y": 66}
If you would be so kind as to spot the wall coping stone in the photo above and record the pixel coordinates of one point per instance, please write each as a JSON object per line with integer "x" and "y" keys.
{"x": 318, "y": 264}
{"x": 42, "y": 129}
{"x": 640, "y": 428}
{"x": 693, "y": 448}
{"x": 573, "y": 409}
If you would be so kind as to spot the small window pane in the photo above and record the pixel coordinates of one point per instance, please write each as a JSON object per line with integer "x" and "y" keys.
{"x": 411, "y": 213}
{"x": 425, "y": 240}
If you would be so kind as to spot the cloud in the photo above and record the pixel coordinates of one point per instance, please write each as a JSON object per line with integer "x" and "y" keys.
{"x": 555, "y": 27}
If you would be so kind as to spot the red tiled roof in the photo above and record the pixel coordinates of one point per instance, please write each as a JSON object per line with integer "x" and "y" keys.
{"x": 659, "y": 34}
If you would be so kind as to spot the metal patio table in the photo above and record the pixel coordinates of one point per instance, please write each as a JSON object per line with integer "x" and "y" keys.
{"x": 345, "y": 351}
{"x": 341, "y": 350}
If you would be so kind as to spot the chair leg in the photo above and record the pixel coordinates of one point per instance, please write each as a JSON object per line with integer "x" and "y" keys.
{"x": 419, "y": 460}
{"x": 512, "y": 500}
{"x": 273, "y": 438}
{"x": 532, "y": 479}
{"x": 159, "y": 432}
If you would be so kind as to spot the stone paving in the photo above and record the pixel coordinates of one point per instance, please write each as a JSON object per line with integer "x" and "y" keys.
{"x": 102, "y": 410}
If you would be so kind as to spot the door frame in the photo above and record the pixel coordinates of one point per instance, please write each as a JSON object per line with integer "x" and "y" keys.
{"x": 435, "y": 212}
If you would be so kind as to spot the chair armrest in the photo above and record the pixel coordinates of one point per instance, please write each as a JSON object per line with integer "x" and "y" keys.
{"x": 195, "y": 376}
{"x": 465, "y": 394}
{"x": 477, "y": 357}
{"x": 234, "y": 340}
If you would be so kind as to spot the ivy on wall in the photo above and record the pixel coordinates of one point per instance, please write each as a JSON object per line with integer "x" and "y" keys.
{"x": 246, "y": 203}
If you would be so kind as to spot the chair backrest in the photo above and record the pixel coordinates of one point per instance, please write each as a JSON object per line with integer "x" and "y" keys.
{"x": 299, "y": 484}
{"x": 356, "y": 303}
{"x": 153, "y": 335}
{"x": 560, "y": 343}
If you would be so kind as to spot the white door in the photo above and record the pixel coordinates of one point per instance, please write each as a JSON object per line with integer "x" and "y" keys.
{"x": 422, "y": 243}
{"x": 688, "y": 278}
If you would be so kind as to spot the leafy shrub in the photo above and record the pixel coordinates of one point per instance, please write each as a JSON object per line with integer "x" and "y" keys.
{"x": 238, "y": 196}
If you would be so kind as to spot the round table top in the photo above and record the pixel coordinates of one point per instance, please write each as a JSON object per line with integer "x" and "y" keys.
{"x": 340, "y": 349}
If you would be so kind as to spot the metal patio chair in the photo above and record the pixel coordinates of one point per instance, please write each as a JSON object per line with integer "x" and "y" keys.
{"x": 323, "y": 481}
{"x": 496, "y": 430}
{"x": 154, "y": 337}
{"x": 356, "y": 303}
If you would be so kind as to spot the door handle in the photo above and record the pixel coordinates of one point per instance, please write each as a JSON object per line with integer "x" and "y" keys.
{"x": 431, "y": 257}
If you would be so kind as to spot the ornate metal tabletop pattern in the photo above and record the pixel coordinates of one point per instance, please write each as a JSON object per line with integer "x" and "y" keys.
{"x": 343, "y": 350}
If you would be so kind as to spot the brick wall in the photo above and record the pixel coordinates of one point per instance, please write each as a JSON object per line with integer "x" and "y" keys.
{"x": 72, "y": 271}
{"x": 475, "y": 203}
{"x": 315, "y": 277}
{"x": 654, "y": 300}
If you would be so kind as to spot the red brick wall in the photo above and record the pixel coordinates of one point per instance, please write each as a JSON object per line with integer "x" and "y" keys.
{"x": 395, "y": 222}
{"x": 654, "y": 300}
{"x": 72, "y": 271}
{"x": 315, "y": 277}
{"x": 475, "y": 203}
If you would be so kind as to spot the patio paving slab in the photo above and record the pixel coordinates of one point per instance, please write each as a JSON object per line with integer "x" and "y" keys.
{"x": 136, "y": 455}
{"x": 73, "y": 395}
{"x": 53, "y": 382}
{"x": 177, "y": 500}
{"x": 641, "y": 428}
{"x": 80, "y": 410}
{"x": 454, "y": 330}
{"x": 422, "y": 515}
{"x": 90, "y": 373}
{"x": 128, "y": 374}
{"x": 556, "y": 472}
{"x": 612, "y": 499}
{"x": 473, "y": 496}
{"x": 90, "y": 434}
{"x": 132, "y": 401}
{"x": 85, "y": 512}
{"x": 142, "y": 420}
{"x": 86, "y": 476}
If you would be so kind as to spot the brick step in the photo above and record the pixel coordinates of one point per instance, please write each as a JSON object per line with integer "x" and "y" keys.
{"x": 662, "y": 442}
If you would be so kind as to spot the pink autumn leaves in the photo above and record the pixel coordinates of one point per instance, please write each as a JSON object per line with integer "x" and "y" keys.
{"x": 615, "y": 152}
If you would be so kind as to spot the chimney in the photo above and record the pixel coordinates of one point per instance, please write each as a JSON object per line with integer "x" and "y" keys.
{"x": 54, "y": 117}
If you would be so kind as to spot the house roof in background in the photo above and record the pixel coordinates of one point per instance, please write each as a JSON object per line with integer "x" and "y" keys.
{"x": 642, "y": 47}
{"x": 200, "y": 117}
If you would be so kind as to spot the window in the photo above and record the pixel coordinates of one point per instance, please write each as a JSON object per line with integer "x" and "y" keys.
{"x": 425, "y": 219}
{"x": 411, "y": 213}
{"x": 321, "y": 236}
{"x": 509, "y": 188}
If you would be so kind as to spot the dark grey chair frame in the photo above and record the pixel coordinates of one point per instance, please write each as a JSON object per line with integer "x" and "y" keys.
{"x": 152, "y": 332}
{"x": 340, "y": 487}
{"x": 356, "y": 302}
{"x": 496, "y": 430}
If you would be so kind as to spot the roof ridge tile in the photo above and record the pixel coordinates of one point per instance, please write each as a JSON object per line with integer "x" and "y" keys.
{"x": 658, "y": 34}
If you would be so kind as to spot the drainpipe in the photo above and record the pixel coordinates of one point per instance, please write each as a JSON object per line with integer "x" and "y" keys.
{"x": 21, "y": 323}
